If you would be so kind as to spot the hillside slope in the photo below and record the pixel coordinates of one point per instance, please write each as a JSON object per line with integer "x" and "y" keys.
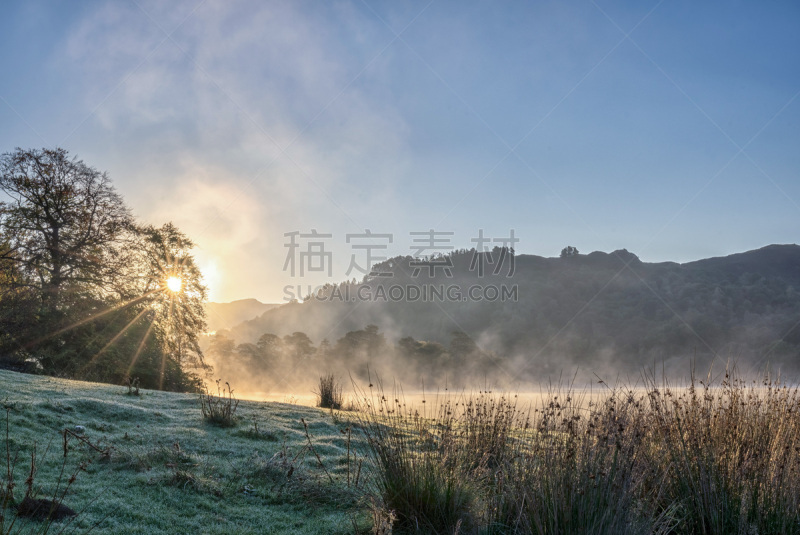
{"x": 168, "y": 471}
{"x": 226, "y": 315}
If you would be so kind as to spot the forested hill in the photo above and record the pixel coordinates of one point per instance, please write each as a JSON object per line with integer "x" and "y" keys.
{"x": 599, "y": 310}
{"x": 226, "y": 315}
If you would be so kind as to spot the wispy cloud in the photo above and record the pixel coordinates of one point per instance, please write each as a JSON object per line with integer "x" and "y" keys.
{"x": 264, "y": 118}
{"x": 250, "y": 121}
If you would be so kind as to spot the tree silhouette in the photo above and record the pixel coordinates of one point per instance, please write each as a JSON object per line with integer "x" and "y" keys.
{"x": 83, "y": 288}
{"x": 62, "y": 225}
{"x": 569, "y": 251}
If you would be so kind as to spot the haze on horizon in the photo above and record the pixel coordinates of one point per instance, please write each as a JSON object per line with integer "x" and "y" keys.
{"x": 666, "y": 128}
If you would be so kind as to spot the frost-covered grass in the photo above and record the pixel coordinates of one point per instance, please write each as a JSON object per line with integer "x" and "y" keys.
{"x": 715, "y": 457}
{"x": 171, "y": 472}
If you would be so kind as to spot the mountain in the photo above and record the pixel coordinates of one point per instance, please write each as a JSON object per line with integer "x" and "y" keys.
{"x": 221, "y": 316}
{"x": 607, "y": 311}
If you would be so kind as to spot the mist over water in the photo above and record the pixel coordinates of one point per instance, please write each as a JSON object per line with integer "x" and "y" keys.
{"x": 298, "y": 384}
{"x": 288, "y": 381}
{"x": 577, "y": 318}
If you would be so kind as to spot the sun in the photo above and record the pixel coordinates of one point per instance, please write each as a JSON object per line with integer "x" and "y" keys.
{"x": 174, "y": 284}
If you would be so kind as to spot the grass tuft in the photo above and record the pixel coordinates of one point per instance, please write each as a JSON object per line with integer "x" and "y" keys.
{"x": 133, "y": 386}
{"x": 220, "y": 409}
{"x": 329, "y": 395}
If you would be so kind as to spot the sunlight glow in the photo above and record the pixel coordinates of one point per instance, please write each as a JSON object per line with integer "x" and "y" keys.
{"x": 174, "y": 284}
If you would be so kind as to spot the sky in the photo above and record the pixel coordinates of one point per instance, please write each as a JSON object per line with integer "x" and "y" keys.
{"x": 670, "y": 129}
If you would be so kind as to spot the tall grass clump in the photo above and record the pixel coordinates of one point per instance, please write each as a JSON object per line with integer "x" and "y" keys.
{"x": 428, "y": 471}
{"x": 329, "y": 393}
{"x": 220, "y": 409}
{"x": 712, "y": 457}
{"x": 730, "y": 454}
{"x": 570, "y": 469}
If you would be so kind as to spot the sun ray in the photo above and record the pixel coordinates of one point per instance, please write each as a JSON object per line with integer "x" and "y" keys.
{"x": 93, "y": 317}
{"x": 164, "y": 353}
{"x": 139, "y": 349}
{"x": 114, "y": 339}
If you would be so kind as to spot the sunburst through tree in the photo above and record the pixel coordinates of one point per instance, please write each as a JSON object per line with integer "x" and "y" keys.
{"x": 85, "y": 291}
{"x": 178, "y": 315}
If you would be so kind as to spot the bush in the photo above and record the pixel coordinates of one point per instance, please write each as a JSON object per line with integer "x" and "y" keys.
{"x": 133, "y": 386}
{"x": 220, "y": 409}
{"x": 575, "y": 472}
{"x": 329, "y": 395}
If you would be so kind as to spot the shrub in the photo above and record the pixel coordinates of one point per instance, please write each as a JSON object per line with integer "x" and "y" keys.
{"x": 220, "y": 409}
{"x": 421, "y": 478}
{"x": 575, "y": 472}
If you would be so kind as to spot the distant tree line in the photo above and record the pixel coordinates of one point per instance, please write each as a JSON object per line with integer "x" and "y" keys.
{"x": 597, "y": 312}
{"x": 83, "y": 289}
{"x": 276, "y": 362}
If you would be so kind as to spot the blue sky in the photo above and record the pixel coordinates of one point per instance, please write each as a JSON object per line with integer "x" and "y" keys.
{"x": 667, "y": 128}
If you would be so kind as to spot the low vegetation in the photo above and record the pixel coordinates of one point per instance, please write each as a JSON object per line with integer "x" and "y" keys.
{"x": 714, "y": 457}
{"x": 710, "y": 458}
{"x": 44, "y": 510}
{"x": 219, "y": 409}
{"x": 329, "y": 393}
{"x": 154, "y": 466}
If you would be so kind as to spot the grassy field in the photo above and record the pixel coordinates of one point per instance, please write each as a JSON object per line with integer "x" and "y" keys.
{"x": 713, "y": 457}
{"x": 161, "y": 468}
